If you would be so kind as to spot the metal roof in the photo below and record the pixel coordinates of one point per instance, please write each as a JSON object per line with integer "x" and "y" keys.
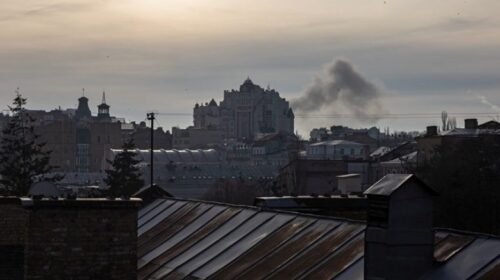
{"x": 391, "y": 182}
{"x": 186, "y": 239}
{"x": 470, "y": 132}
{"x": 336, "y": 142}
{"x": 166, "y": 156}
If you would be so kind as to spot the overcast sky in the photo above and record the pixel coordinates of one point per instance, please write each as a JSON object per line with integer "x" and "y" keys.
{"x": 426, "y": 56}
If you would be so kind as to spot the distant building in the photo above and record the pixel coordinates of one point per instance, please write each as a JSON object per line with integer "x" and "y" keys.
{"x": 246, "y": 112}
{"x": 193, "y": 173}
{"x": 197, "y": 138}
{"x": 337, "y": 150}
{"x": 141, "y": 135}
{"x": 304, "y": 176}
{"x": 77, "y": 139}
{"x": 486, "y": 133}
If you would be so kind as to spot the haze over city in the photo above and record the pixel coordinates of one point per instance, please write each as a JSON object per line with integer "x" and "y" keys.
{"x": 424, "y": 57}
{"x": 235, "y": 139}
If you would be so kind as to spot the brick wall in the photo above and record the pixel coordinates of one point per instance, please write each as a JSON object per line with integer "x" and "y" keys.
{"x": 69, "y": 239}
{"x": 13, "y": 221}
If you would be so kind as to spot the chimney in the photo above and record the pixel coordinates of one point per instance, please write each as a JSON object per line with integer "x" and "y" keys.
{"x": 399, "y": 239}
{"x": 63, "y": 239}
{"x": 432, "y": 130}
{"x": 470, "y": 123}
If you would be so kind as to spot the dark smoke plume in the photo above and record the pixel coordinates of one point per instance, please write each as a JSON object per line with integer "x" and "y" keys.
{"x": 340, "y": 82}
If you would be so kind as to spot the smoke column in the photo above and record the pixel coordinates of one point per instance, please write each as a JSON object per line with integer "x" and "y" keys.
{"x": 340, "y": 82}
{"x": 488, "y": 103}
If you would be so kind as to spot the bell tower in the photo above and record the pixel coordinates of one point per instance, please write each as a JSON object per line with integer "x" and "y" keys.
{"x": 103, "y": 108}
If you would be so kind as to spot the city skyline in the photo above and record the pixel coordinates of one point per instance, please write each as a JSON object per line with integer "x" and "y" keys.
{"x": 145, "y": 54}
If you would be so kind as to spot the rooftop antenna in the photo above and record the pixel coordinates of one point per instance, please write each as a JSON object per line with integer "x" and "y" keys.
{"x": 103, "y": 97}
{"x": 83, "y": 92}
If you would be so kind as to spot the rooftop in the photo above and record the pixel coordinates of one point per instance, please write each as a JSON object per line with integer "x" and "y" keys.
{"x": 336, "y": 142}
{"x": 203, "y": 240}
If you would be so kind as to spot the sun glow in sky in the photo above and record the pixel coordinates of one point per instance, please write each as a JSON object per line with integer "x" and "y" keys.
{"x": 168, "y": 55}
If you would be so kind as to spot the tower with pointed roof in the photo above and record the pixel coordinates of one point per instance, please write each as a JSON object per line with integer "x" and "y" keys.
{"x": 103, "y": 108}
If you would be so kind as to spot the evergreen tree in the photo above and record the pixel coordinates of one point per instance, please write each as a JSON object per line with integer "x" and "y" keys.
{"x": 124, "y": 178}
{"x": 23, "y": 159}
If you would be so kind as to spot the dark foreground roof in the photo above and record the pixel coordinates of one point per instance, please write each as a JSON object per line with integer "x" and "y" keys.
{"x": 183, "y": 239}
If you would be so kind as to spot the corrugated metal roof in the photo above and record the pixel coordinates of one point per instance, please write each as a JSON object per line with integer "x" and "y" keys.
{"x": 182, "y": 239}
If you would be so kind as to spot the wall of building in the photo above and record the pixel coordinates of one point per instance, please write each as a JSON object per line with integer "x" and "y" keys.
{"x": 59, "y": 133}
{"x": 327, "y": 150}
{"x": 13, "y": 222}
{"x": 104, "y": 136}
{"x": 141, "y": 135}
{"x": 246, "y": 112}
{"x": 195, "y": 138}
{"x": 68, "y": 239}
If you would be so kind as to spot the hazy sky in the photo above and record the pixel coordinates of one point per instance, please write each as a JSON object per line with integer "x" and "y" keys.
{"x": 427, "y": 56}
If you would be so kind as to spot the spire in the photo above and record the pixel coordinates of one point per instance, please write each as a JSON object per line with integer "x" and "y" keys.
{"x": 103, "y": 108}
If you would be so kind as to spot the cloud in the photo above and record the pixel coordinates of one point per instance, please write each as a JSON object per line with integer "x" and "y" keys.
{"x": 50, "y": 10}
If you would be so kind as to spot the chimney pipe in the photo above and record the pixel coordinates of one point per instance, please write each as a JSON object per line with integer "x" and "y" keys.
{"x": 471, "y": 124}
{"x": 399, "y": 239}
{"x": 432, "y": 130}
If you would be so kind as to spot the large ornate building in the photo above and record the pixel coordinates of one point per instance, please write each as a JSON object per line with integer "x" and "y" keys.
{"x": 243, "y": 114}
{"x": 78, "y": 140}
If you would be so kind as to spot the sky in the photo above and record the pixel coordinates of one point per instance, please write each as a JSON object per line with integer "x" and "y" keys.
{"x": 424, "y": 56}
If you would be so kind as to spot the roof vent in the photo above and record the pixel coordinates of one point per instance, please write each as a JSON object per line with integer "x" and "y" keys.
{"x": 470, "y": 123}
{"x": 399, "y": 236}
{"x": 432, "y": 130}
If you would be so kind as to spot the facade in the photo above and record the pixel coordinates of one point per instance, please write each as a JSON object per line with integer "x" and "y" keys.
{"x": 194, "y": 173}
{"x": 196, "y": 138}
{"x": 486, "y": 134}
{"x": 77, "y": 139}
{"x": 246, "y": 112}
{"x": 337, "y": 150}
{"x": 58, "y": 130}
{"x": 94, "y": 135}
{"x": 306, "y": 176}
{"x": 141, "y": 135}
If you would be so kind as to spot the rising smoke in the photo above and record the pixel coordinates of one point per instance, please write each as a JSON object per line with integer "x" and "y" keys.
{"x": 339, "y": 82}
{"x": 485, "y": 101}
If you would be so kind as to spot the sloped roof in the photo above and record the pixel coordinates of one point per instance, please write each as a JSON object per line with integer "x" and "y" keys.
{"x": 336, "y": 142}
{"x": 184, "y": 155}
{"x": 391, "y": 182}
{"x": 470, "y": 132}
{"x": 410, "y": 158}
{"x": 186, "y": 239}
{"x": 380, "y": 151}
